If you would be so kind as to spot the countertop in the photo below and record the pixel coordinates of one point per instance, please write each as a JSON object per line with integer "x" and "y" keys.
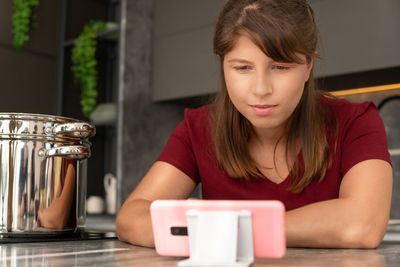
{"x": 112, "y": 252}
{"x": 115, "y": 253}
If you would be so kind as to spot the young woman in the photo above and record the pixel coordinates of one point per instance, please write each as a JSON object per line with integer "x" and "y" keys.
{"x": 271, "y": 135}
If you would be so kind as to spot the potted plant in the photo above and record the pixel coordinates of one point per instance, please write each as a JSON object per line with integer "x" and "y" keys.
{"x": 84, "y": 64}
{"x": 24, "y": 17}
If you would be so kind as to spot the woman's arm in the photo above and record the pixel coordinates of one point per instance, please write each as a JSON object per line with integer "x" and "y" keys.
{"x": 357, "y": 219}
{"x": 163, "y": 181}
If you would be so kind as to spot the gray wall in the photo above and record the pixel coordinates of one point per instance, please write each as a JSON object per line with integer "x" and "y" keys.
{"x": 184, "y": 62}
{"x": 357, "y": 35}
{"x": 28, "y": 78}
{"x": 144, "y": 126}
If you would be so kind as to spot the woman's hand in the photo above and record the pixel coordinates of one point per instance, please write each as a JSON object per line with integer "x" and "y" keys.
{"x": 163, "y": 181}
{"x": 357, "y": 219}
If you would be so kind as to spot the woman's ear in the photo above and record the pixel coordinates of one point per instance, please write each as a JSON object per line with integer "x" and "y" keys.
{"x": 310, "y": 65}
{"x": 311, "y": 62}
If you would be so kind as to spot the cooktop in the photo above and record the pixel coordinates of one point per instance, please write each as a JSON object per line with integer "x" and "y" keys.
{"x": 80, "y": 234}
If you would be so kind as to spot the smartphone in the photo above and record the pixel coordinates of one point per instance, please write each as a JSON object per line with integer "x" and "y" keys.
{"x": 170, "y": 233}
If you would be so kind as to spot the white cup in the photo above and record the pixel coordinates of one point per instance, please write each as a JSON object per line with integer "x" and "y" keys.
{"x": 95, "y": 205}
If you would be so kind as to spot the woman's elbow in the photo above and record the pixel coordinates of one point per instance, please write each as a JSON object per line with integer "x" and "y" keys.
{"x": 120, "y": 228}
{"x": 366, "y": 236}
{"x": 133, "y": 225}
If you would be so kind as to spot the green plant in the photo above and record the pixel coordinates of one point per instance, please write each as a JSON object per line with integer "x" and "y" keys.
{"x": 84, "y": 64}
{"x": 24, "y": 16}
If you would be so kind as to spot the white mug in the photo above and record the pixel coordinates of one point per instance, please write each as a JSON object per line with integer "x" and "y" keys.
{"x": 110, "y": 187}
{"x": 95, "y": 205}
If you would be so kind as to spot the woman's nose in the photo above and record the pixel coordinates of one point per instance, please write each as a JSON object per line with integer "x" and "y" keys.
{"x": 262, "y": 85}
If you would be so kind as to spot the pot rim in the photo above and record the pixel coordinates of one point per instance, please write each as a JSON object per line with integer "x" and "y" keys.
{"x": 37, "y": 116}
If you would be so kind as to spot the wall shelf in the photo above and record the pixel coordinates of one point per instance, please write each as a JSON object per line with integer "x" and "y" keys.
{"x": 109, "y": 35}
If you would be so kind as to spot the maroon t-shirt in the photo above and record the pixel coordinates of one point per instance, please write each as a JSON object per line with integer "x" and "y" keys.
{"x": 361, "y": 136}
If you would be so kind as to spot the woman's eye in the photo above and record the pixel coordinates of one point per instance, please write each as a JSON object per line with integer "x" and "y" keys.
{"x": 281, "y": 67}
{"x": 242, "y": 68}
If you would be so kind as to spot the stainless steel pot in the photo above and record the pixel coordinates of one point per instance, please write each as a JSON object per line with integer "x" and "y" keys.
{"x": 42, "y": 173}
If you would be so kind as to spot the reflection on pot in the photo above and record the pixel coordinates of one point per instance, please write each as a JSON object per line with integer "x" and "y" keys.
{"x": 42, "y": 173}
{"x": 55, "y": 212}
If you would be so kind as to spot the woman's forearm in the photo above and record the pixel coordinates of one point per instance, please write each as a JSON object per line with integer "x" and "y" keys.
{"x": 357, "y": 219}
{"x": 337, "y": 223}
{"x": 133, "y": 223}
{"x": 163, "y": 181}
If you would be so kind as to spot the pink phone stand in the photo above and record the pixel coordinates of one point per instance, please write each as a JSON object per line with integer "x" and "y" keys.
{"x": 219, "y": 232}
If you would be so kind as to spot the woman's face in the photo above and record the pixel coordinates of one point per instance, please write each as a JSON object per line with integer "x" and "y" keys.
{"x": 262, "y": 90}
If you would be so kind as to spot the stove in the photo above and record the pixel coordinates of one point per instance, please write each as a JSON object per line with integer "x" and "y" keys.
{"x": 80, "y": 234}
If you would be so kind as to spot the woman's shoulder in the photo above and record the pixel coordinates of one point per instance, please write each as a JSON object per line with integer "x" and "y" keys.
{"x": 346, "y": 109}
{"x": 354, "y": 117}
{"x": 198, "y": 115}
{"x": 197, "y": 124}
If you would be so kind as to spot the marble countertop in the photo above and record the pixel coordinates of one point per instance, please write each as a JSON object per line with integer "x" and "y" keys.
{"x": 112, "y": 252}
{"x": 115, "y": 253}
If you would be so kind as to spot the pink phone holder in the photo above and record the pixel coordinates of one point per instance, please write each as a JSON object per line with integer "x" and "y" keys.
{"x": 219, "y": 232}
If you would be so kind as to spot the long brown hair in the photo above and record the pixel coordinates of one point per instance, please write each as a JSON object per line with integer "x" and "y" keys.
{"x": 282, "y": 29}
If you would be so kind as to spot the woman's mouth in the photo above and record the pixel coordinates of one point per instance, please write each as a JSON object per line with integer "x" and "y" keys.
{"x": 263, "y": 110}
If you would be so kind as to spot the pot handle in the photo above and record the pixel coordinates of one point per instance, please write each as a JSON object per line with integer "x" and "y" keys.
{"x": 72, "y": 152}
{"x": 77, "y": 129}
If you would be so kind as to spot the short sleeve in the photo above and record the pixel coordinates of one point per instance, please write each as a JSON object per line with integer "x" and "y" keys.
{"x": 179, "y": 152}
{"x": 364, "y": 137}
